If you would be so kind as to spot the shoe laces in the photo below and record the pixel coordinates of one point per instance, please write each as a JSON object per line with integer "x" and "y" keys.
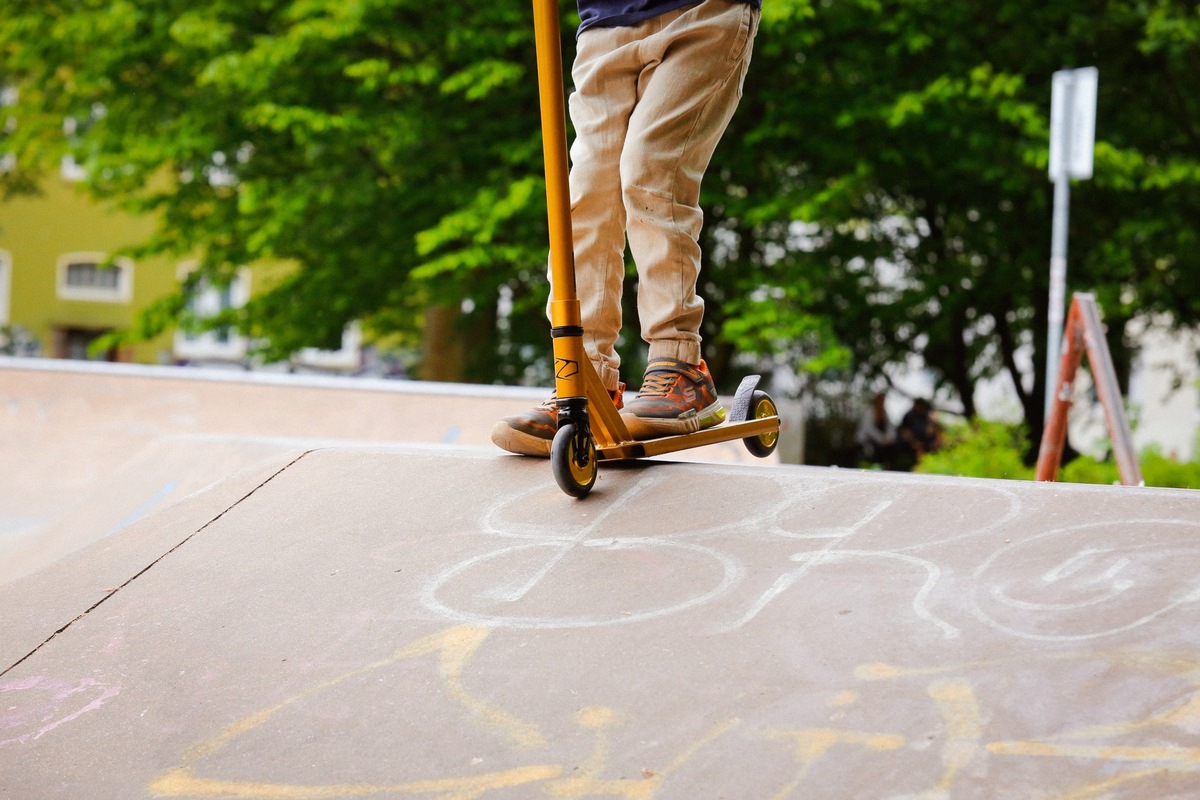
{"x": 658, "y": 384}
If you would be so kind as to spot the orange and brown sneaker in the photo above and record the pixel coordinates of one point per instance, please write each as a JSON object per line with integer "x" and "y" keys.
{"x": 676, "y": 397}
{"x": 532, "y": 432}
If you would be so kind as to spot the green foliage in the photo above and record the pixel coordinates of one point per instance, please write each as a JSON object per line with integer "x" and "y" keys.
{"x": 391, "y": 154}
{"x": 881, "y": 194}
{"x": 994, "y": 450}
{"x": 1157, "y": 470}
{"x": 907, "y": 143}
{"x": 980, "y": 449}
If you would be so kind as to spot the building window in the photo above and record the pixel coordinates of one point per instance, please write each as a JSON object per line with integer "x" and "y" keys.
{"x": 346, "y": 359}
{"x": 206, "y": 302}
{"x": 88, "y": 276}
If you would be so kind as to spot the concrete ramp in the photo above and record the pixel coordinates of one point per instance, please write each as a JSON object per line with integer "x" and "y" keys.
{"x": 86, "y": 449}
{"x": 416, "y": 622}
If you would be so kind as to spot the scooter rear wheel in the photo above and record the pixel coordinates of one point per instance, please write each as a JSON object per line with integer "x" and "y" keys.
{"x": 573, "y": 460}
{"x": 761, "y": 406}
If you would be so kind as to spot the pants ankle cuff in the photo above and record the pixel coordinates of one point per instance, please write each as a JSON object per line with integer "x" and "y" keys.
{"x": 610, "y": 378}
{"x": 688, "y": 352}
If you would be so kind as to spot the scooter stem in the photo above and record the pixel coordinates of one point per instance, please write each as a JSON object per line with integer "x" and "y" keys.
{"x": 565, "y": 319}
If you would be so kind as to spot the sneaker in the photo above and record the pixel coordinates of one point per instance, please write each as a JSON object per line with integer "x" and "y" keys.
{"x": 676, "y": 397}
{"x": 532, "y": 432}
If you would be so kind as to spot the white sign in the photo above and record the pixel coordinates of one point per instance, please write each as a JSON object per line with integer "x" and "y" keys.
{"x": 1072, "y": 122}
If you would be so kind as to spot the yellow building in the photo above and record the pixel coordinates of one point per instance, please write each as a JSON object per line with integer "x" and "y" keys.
{"x": 51, "y": 283}
{"x": 54, "y": 289}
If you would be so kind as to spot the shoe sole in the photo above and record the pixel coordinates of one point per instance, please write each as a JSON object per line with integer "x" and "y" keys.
{"x": 519, "y": 442}
{"x": 657, "y": 427}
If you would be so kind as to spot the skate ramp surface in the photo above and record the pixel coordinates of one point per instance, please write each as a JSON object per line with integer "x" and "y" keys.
{"x": 87, "y": 449}
{"x": 418, "y": 622}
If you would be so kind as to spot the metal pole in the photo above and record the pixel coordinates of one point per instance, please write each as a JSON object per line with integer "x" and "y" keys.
{"x": 1104, "y": 377}
{"x": 1058, "y": 248}
{"x": 1058, "y": 285}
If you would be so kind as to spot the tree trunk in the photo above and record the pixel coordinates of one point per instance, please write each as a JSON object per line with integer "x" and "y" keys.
{"x": 1035, "y": 402}
{"x": 1031, "y": 401}
{"x": 1120, "y": 350}
{"x": 443, "y": 346}
{"x": 959, "y": 369}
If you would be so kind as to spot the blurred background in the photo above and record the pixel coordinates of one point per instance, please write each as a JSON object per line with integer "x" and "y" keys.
{"x": 355, "y": 189}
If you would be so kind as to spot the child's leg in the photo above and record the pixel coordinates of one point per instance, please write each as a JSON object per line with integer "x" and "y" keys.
{"x": 605, "y": 73}
{"x": 686, "y": 103}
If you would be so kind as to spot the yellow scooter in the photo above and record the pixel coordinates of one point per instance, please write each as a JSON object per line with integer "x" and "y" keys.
{"x": 590, "y": 428}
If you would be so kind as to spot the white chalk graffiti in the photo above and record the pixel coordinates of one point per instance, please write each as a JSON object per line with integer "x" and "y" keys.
{"x": 530, "y": 584}
{"x": 1108, "y": 577}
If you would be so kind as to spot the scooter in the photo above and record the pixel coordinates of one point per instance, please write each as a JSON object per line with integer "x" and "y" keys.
{"x": 590, "y": 428}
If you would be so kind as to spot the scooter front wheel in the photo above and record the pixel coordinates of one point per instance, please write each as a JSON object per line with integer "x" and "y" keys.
{"x": 573, "y": 460}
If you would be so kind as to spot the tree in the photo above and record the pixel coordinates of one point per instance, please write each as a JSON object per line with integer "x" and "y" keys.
{"x": 388, "y": 153}
{"x": 910, "y": 139}
{"x": 881, "y": 194}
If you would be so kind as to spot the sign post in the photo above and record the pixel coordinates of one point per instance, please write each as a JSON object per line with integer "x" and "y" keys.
{"x": 1072, "y": 139}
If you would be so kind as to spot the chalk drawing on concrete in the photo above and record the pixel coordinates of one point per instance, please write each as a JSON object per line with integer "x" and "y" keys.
{"x": 57, "y": 703}
{"x": 1103, "y": 578}
{"x": 527, "y": 584}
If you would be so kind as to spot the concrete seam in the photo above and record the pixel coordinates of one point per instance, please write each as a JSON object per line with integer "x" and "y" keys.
{"x": 147, "y": 568}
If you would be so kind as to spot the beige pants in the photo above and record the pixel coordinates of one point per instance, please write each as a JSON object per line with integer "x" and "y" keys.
{"x": 650, "y": 104}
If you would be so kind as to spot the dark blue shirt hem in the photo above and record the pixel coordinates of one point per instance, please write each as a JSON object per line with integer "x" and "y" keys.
{"x": 635, "y": 17}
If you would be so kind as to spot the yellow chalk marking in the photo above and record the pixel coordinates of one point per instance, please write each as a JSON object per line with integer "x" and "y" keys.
{"x": 714, "y": 734}
{"x": 1175, "y": 755}
{"x": 1184, "y": 668}
{"x": 252, "y": 721}
{"x": 877, "y": 672}
{"x": 598, "y": 719}
{"x": 454, "y": 647}
{"x": 634, "y": 789}
{"x": 182, "y": 782}
{"x": 1180, "y": 666}
{"x": 1103, "y": 788}
{"x": 812, "y": 743}
{"x": 586, "y": 784}
{"x": 595, "y": 717}
{"x": 845, "y": 698}
{"x": 1186, "y": 715}
{"x": 960, "y": 712}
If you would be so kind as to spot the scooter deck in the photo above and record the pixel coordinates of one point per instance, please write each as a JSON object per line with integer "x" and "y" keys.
{"x": 724, "y": 432}
{"x": 613, "y": 442}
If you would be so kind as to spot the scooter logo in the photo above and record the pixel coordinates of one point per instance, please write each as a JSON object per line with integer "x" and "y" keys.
{"x": 565, "y": 368}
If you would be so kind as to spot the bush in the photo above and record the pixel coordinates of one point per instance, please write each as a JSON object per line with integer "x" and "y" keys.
{"x": 993, "y": 450}
{"x": 1157, "y": 470}
{"x": 980, "y": 449}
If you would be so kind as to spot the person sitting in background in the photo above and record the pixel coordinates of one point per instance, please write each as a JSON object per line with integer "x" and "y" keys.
{"x": 877, "y": 435}
{"x": 919, "y": 432}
